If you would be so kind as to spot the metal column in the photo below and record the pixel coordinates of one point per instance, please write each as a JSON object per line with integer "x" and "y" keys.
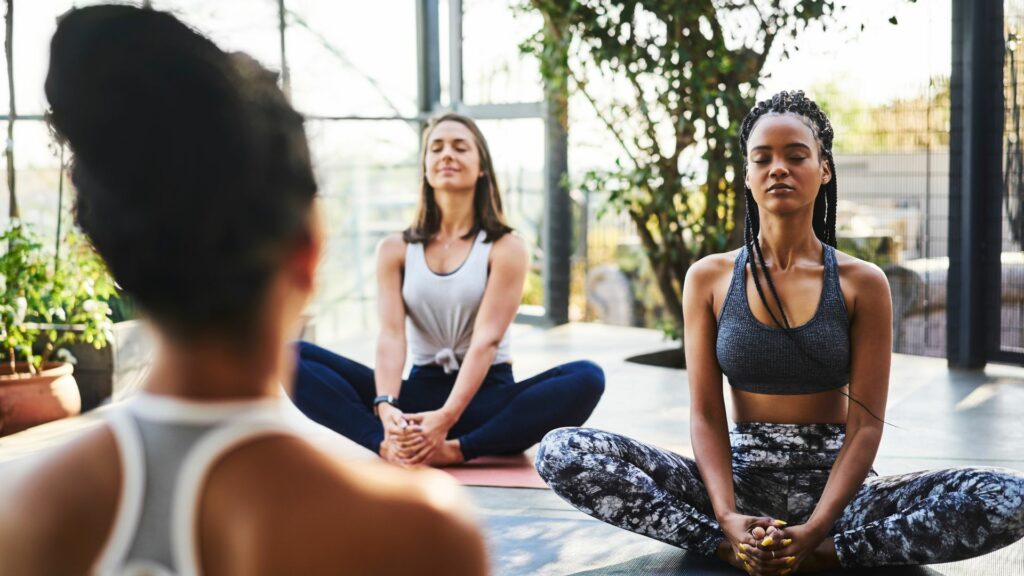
{"x": 428, "y": 56}
{"x": 976, "y": 130}
{"x": 558, "y": 217}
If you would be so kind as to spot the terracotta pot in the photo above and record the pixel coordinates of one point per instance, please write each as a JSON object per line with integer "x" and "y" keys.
{"x": 27, "y": 400}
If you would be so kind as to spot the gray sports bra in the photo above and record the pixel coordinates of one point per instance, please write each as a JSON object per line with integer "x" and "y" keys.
{"x": 764, "y": 359}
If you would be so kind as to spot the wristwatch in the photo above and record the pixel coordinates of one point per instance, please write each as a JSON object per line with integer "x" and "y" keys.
{"x": 384, "y": 399}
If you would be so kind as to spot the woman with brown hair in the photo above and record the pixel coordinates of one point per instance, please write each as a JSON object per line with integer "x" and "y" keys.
{"x": 448, "y": 288}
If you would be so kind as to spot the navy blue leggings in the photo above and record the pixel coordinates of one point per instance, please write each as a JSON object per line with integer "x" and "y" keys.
{"x": 504, "y": 417}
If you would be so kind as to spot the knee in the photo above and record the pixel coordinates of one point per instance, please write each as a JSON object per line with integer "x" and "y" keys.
{"x": 556, "y": 452}
{"x": 589, "y": 378}
{"x": 308, "y": 350}
{"x": 1003, "y": 492}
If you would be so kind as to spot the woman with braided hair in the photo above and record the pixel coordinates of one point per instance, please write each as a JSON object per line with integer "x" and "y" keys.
{"x": 806, "y": 345}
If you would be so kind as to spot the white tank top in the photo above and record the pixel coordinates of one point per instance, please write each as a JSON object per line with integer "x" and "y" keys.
{"x": 441, "y": 308}
{"x": 167, "y": 445}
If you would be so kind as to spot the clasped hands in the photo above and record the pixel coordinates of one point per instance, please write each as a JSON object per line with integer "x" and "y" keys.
{"x": 765, "y": 546}
{"x": 411, "y": 439}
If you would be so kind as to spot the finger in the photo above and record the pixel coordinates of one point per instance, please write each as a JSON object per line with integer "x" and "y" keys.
{"x": 745, "y": 552}
{"x": 421, "y": 456}
{"x": 412, "y": 446}
{"x": 787, "y": 549}
{"x": 776, "y": 562}
{"x": 750, "y": 553}
{"x": 774, "y": 539}
{"x": 412, "y": 443}
{"x": 758, "y": 533}
{"x": 414, "y": 418}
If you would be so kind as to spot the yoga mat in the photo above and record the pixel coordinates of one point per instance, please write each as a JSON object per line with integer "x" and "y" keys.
{"x": 559, "y": 543}
{"x": 499, "y": 471}
{"x": 1005, "y": 562}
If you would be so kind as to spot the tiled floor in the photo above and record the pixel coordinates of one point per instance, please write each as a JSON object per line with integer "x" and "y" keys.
{"x": 938, "y": 417}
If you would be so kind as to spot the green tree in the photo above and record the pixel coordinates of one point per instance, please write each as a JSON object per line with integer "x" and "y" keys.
{"x": 671, "y": 81}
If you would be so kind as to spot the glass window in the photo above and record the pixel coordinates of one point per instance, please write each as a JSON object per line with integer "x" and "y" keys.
{"x": 353, "y": 58}
{"x": 494, "y": 71}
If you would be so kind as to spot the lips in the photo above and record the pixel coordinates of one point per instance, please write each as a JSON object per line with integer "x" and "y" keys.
{"x": 780, "y": 188}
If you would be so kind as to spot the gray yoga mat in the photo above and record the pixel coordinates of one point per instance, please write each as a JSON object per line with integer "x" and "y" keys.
{"x": 1006, "y": 562}
{"x": 552, "y": 545}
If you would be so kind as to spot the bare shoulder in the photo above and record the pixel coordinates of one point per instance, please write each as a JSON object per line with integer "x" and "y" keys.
{"x": 863, "y": 282}
{"x": 64, "y": 499}
{"x": 709, "y": 271}
{"x": 865, "y": 278}
{"x": 366, "y": 515}
{"x": 511, "y": 246}
{"x": 391, "y": 247}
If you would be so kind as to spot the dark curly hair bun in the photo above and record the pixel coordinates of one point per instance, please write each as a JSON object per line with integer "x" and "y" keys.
{"x": 192, "y": 169}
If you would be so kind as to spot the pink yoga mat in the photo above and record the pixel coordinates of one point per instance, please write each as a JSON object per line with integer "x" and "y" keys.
{"x": 500, "y": 471}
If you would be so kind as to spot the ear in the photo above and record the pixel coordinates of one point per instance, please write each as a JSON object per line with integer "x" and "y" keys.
{"x": 746, "y": 175}
{"x": 306, "y": 255}
{"x": 826, "y": 172}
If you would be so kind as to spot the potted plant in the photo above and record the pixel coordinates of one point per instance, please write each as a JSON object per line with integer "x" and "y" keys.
{"x": 47, "y": 302}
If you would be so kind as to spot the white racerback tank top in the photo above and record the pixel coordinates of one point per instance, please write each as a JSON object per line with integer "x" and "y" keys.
{"x": 441, "y": 308}
{"x": 167, "y": 445}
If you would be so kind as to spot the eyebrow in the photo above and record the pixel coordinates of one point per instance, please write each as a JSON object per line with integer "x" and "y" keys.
{"x": 792, "y": 145}
{"x": 454, "y": 140}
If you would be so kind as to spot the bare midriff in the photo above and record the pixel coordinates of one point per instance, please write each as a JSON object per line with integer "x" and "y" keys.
{"x": 818, "y": 408}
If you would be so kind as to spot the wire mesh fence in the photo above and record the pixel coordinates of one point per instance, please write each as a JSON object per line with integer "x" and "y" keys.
{"x": 1011, "y": 329}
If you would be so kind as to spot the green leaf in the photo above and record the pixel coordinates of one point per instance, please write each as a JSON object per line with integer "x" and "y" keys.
{"x": 669, "y": 88}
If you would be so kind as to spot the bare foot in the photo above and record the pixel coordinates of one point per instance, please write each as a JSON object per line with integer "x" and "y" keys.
{"x": 448, "y": 454}
{"x": 389, "y": 452}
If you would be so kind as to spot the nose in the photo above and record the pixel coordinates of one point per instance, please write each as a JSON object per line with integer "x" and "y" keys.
{"x": 778, "y": 170}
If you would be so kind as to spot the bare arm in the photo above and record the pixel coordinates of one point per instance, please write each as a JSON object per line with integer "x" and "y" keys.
{"x": 390, "y": 358}
{"x": 63, "y": 499}
{"x": 504, "y": 291}
{"x": 870, "y": 357}
{"x": 708, "y": 422}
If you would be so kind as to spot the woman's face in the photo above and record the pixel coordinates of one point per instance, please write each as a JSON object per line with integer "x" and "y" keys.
{"x": 452, "y": 158}
{"x": 784, "y": 165}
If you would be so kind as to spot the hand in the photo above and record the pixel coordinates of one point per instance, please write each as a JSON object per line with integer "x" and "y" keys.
{"x": 399, "y": 439}
{"x": 755, "y": 543}
{"x": 799, "y": 543}
{"x": 429, "y": 430}
{"x": 393, "y": 420}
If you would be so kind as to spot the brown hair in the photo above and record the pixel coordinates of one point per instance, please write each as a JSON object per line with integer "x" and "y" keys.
{"x": 487, "y": 211}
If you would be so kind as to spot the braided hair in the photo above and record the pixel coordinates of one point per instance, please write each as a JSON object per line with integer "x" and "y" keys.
{"x": 824, "y": 217}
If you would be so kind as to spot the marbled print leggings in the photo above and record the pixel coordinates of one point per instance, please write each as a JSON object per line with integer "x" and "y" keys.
{"x": 780, "y": 470}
